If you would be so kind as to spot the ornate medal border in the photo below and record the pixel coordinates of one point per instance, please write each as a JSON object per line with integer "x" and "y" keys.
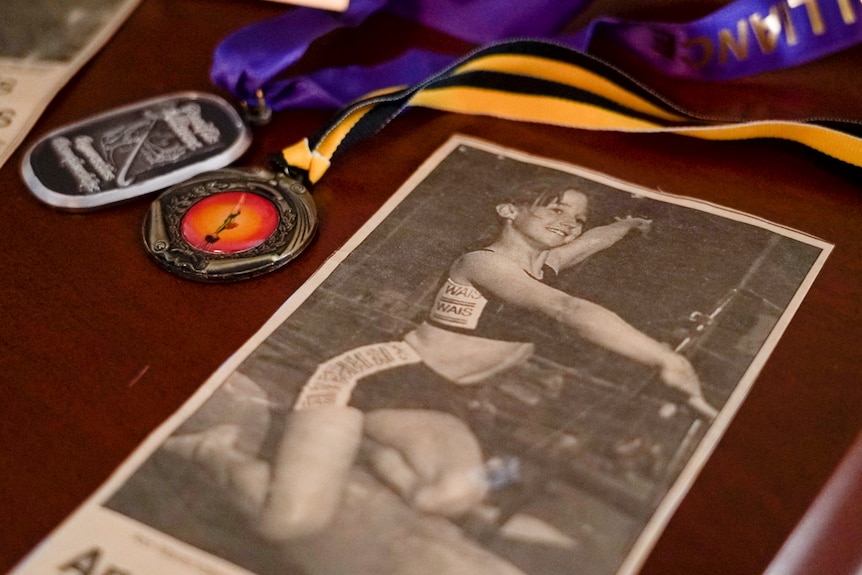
{"x": 297, "y": 224}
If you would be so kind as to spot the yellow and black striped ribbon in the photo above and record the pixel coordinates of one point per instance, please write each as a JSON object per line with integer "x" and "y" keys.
{"x": 542, "y": 82}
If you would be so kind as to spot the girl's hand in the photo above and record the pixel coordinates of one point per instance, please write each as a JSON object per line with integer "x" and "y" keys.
{"x": 642, "y": 225}
{"x": 677, "y": 372}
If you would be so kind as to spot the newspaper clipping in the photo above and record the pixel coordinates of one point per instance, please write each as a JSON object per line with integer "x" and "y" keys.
{"x": 516, "y": 367}
{"x": 43, "y": 43}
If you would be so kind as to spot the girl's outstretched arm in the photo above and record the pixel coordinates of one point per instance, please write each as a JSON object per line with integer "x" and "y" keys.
{"x": 503, "y": 278}
{"x": 595, "y": 240}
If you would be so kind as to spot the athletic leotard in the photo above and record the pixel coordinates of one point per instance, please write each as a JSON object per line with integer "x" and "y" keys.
{"x": 470, "y": 335}
{"x": 473, "y": 311}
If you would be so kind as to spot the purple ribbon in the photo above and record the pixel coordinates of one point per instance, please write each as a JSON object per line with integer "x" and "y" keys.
{"x": 481, "y": 21}
{"x": 743, "y": 38}
{"x": 254, "y": 57}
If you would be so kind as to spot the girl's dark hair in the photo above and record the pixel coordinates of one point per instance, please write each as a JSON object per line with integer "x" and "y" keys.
{"x": 539, "y": 193}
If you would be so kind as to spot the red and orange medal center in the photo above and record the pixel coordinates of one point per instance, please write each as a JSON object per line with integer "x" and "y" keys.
{"x": 229, "y": 223}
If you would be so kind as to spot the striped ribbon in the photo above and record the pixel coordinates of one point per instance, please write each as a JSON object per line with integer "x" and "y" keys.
{"x": 543, "y": 82}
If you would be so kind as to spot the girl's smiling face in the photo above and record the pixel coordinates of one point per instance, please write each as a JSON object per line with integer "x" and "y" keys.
{"x": 555, "y": 224}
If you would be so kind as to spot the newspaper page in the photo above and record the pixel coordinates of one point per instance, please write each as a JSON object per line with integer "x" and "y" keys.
{"x": 517, "y": 366}
{"x": 43, "y": 43}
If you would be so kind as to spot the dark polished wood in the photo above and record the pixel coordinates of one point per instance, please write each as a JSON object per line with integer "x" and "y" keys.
{"x": 98, "y": 345}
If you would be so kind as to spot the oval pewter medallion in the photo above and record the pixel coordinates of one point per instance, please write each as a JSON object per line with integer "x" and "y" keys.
{"x": 134, "y": 150}
{"x": 230, "y": 224}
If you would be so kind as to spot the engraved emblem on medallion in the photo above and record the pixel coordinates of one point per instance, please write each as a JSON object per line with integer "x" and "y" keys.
{"x": 134, "y": 150}
{"x": 121, "y": 153}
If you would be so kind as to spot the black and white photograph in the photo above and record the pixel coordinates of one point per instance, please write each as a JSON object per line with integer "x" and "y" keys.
{"x": 51, "y": 30}
{"x": 517, "y": 367}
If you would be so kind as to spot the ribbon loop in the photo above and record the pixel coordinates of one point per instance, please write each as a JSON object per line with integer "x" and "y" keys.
{"x": 543, "y": 82}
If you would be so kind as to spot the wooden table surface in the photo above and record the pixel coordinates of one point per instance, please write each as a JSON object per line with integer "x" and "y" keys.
{"x": 98, "y": 345}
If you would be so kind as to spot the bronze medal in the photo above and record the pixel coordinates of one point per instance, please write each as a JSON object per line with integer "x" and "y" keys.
{"x": 230, "y": 224}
